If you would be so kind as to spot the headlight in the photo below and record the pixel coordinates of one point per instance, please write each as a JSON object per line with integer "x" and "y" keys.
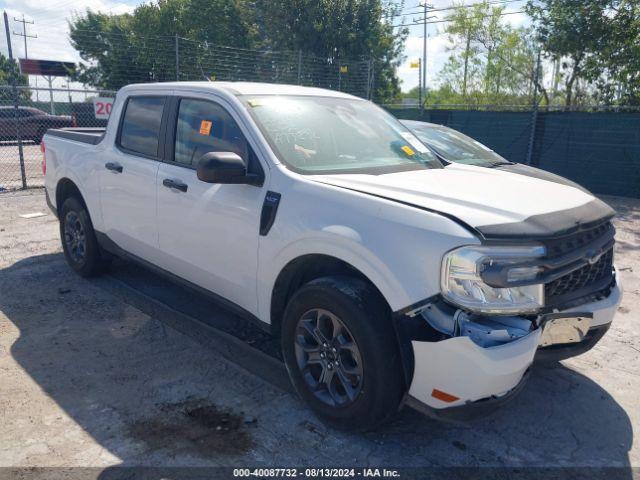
{"x": 463, "y": 283}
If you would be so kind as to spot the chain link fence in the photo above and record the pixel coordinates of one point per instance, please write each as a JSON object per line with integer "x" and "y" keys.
{"x": 27, "y": 113}
{"x": 116, "y": 60}
{"x": 597, "y": 146}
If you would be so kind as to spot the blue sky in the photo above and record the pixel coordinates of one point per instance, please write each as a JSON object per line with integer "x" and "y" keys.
{"x": 51, "y": 16}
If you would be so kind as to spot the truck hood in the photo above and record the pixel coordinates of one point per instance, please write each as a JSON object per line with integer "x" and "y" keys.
{"x": 495, "y": 203}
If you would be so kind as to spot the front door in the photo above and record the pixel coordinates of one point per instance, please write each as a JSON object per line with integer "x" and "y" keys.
{"x": 208, "y": 233}
{"x": 128, "y": 178}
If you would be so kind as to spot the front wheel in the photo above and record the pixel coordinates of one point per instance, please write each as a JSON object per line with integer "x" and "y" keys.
{"x": 341, "y": 354}
{"x": 79, "y": 242}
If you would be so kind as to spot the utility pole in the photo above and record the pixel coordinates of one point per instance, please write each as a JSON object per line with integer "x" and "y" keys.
{"x": 15, "y": 104}
{"x": 420, "y": 82}
{"x": 534, "y": 110}
{"x": 25, "y": 35}
{"x": 426, "y": 8}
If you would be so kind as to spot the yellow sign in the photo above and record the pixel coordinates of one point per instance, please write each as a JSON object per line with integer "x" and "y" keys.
{"x": 205, "y": 127}
{"x": 414, "y": 64}
{"x": 344, "y": 69}
{"x": 407, "y": 149}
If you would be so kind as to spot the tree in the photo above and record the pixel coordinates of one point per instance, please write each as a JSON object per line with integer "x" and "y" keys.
{"x": 337, "y": 30}
{"x": 120, "y": 49}
{"x": 490, "y": 62}
{"x": 141, "y": 47}
{"x": 10, "y": 75}
{"x": 594, "y": 42}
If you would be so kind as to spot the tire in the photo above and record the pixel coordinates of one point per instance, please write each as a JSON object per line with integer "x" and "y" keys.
{"x": 79, "y": 243}
{"x": 374, "y": 386}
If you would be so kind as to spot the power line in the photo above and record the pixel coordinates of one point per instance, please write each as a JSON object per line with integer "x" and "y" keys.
{"x": 447, "y": 20}
{"x": 454, "y": 7}
{"x": 24, "y": 33}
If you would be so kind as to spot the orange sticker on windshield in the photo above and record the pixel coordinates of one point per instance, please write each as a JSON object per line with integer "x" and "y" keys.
{"x": 205, "y": 127}
{"x": 407, "y": 149}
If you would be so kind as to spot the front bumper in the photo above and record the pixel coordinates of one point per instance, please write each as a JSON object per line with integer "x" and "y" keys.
{"x": 470, "y": 410}
{"x": 603, "y": 313}
{"x": 477, "y": 380}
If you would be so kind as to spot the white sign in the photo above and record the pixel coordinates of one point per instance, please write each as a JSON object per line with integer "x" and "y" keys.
{"x": 102, "y": 107}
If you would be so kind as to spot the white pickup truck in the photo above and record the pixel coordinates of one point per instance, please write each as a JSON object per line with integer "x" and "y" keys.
{"x": 389, "y": 277}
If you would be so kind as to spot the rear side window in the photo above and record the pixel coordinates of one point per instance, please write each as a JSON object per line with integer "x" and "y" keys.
{"x": 141, "y": 125}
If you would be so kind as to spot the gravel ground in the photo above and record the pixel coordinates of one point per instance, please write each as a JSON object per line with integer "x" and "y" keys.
{"x": 10, "y": 177}
{"x": 126, "y": 369}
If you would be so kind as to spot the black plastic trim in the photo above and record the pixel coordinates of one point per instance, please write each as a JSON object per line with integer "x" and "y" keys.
{"x": 552, "y": 224}
{"x": 110, "y": 246}
{"x": 409, "y": 328}
{"x": 269, "y": 211}
{"x": 602, "y": 288}
{"x": 416, "y": 306}
{"x": 554, "y": 268}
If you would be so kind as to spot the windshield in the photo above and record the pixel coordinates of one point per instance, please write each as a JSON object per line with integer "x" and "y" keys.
{"x": 453, "y": 146}
{"x": 316, "y": 135}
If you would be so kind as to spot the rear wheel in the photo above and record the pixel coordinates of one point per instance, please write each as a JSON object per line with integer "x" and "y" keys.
{"x": 79, "y": 242}
{"x": 341, "y": 354}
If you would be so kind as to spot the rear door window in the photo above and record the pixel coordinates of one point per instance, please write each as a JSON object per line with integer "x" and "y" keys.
{"x": 140, "y": 128}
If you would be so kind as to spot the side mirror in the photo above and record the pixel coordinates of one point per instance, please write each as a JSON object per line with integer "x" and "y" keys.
{"x": 224, "y": 167}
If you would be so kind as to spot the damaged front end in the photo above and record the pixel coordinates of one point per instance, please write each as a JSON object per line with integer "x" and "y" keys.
{"x": 463, "y": 365}
{"x": 468, "y": 348}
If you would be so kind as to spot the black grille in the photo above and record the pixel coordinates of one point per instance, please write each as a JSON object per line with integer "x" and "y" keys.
{"x": 570, "y": 243}
{"x": 581, "y": 279}
{"x": 587, "y": 280}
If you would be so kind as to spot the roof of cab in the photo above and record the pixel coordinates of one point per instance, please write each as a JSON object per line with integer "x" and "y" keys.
{"x": 244, "y": 88}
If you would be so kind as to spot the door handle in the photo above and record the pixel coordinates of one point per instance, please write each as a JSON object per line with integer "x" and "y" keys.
{"x": 114, "y": 167}
{"x": 175, "y": 184}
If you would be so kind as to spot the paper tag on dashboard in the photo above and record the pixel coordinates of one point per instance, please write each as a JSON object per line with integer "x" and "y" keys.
{"x": 414, "y": 142}
{"x": 407, "y": 149}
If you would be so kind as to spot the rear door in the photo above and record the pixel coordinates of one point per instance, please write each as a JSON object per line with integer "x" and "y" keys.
{"x": 128, "y": 177}
{"x": 208, "y": 233}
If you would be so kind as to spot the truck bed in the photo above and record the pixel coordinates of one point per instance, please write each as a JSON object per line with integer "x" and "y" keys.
{"x": 92, "y": 136}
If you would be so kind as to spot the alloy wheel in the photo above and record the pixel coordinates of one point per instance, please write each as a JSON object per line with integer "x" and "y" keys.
{"x": 74, "y": 237}
{"x": 328, "y": 358}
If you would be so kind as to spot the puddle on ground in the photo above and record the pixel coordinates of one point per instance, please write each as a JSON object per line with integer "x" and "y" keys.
{"x": 196, "y": 426}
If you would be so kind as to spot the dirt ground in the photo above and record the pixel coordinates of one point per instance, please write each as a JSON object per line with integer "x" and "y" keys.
{"x": 127, "y": 369}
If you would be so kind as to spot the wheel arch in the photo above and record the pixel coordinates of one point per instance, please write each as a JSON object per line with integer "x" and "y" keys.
{"x": 67, "y": 188}
{"x": 302, "y": 270}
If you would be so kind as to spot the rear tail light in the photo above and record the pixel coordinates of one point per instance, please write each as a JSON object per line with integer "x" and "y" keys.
{"x": 44, "y": 158}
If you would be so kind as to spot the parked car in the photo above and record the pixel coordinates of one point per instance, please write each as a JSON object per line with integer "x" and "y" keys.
{"x": 31, "y": 122}
{"x": 451, "y": 146}
{"x": 389, "y": 279}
